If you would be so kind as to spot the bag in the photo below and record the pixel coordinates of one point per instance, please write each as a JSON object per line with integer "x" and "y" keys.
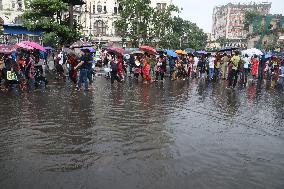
{"x": 11, "y": 76}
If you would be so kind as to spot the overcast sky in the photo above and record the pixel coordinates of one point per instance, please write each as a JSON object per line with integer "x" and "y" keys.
{"x": 200, "y": 11}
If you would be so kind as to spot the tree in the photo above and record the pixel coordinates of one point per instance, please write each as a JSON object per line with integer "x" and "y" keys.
{"x": 47, "y": 15}
{"x": 135, "y": 20}
{"x": 140, "y": 21}
{"x": 250, "y": 16}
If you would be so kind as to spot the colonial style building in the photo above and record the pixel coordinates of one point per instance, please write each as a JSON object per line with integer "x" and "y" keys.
{"x": 96, "y": 17}
{"x": 228, "y": 20}
{"x": 10, "y": 10}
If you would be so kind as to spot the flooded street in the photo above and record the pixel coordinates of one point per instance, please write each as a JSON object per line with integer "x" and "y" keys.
{"x": 173, "y": 135}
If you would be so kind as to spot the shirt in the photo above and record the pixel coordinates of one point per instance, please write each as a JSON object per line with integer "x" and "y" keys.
{"x": 246, "y": 61}
{"x": 235, "y": 60}
{"x": 84, "y": 59}
{"x": 225, "y": 59}
{"x": 196, "y": 60}
{"x": 211, "y": 62}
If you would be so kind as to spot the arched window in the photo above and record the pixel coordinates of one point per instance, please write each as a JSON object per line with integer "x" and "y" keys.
{"x": 99, "y": 28}
{"x": 99, "y": 7}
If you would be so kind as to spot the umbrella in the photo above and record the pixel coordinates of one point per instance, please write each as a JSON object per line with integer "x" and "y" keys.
{"x": 189, "y": 50}
{"x": 268, "y": 56}
{"x": 159, "y": 50}
{"x": 228, "y": 49}
{"x": 48, "y": 48}
{"x": 130, "y": 50}
{"x": 117, "y": 51}
{"x": 251, "y": 52}
{"x": 91, "y": 49}
{"x": 34, "y": 45}
{"x": 137, "y": 52}
{"x": 201, "y": 52}
{"x": 24, "y": 46}
{"x": 127, "y": 56}
{"x": 171, "y": 53}
{"x": 7, "y": 49}
{"x": 148, "y": 49}
{"x": 181, "y": 52}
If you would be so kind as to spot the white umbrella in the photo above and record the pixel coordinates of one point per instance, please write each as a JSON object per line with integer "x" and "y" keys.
{"x": 252, "y": 51}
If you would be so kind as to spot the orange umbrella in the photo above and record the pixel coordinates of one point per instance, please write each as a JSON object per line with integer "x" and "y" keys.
{"x": 181, "y": 52}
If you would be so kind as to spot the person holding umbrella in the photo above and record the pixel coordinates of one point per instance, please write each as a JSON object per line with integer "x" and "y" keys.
{"x": 114, "y": 65}
{"x": 83, "y": 74}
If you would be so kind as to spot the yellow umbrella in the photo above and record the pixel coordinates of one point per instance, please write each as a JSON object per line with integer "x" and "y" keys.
{"x": 181, "y": 52}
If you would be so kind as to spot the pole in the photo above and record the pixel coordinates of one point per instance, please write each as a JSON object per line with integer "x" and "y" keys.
{"x": 71, "y": 15}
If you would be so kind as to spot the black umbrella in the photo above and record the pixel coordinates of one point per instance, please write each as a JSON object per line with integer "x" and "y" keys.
{"x": 228, "y": 49}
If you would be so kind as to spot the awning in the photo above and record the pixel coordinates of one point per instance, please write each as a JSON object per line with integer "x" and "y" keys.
{"x": 15, "y": 29}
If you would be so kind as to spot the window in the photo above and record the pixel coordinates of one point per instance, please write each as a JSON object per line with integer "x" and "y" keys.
{"x": 99, "y": 8}
{"x": 20, "y": 6}
{"x": 13, "y": 5}
{"x": 105, "y": 9}
{"x": 99, "y": 28}
{"x": 115, "y": 10}
{"x": 161, "y": 6}
{"x": 94, "y": 8}
{"x": 86, "y": 8}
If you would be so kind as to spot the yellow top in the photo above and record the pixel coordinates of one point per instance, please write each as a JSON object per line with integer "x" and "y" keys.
{"x": 235, "y": 60}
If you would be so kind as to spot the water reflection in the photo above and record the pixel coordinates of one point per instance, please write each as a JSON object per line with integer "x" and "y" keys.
{"x": 174, "y": 135}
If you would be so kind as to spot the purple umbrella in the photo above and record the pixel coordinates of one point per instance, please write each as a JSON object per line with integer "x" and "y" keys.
{"x": 91, "y": 49}
{"x": 201, "y": 52}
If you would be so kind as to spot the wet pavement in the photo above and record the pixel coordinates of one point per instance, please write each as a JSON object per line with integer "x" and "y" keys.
{"x": 173, "y": 135}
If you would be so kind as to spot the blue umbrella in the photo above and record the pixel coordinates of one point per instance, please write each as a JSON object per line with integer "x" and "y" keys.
{"x": 171, "y": 53}
{"x": 268, "y": 56}
{"x": 91, "y": 49}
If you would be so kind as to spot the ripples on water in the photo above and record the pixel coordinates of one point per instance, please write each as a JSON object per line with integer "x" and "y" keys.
{"x": 173, "y": 135}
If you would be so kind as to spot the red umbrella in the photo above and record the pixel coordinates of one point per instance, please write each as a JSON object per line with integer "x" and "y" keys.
{"x": 148, "y": 49}
{"x": 118, "y": 51}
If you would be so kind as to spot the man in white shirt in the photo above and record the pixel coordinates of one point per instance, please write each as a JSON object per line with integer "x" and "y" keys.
{"x": 211, "y": 67}
{"x": 246, "y": 61}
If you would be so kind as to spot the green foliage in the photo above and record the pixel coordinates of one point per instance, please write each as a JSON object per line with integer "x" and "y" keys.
{"x": 51, "y": 39}
{"x": 250, "y": 17}
{"x": 139, "y": 22}
{"x": 47, "y": 15}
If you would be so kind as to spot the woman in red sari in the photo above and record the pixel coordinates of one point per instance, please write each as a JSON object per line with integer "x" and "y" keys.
{"x": 120, "y": 67}
{"x": 255, "y": 64}
{"x": 146, "y": 69}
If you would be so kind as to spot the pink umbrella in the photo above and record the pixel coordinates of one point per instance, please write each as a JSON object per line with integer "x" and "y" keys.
{"x": 24, "y": 46}
{"x": 7, "y": 49}
{"x": 34, "y": 45}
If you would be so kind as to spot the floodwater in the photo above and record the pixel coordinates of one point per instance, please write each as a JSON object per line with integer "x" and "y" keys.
{"x": 173, "y": 135}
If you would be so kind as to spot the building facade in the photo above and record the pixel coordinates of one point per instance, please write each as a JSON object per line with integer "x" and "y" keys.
{"x": 10, "y": 10}
{"x": 228, "y": 20}
{"x": 96, "y": 17}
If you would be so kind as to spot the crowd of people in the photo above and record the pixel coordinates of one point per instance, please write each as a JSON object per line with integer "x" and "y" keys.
{"x": 22, "y": 69}
{"x": 233, "y": 67}
{"x": 27, "y": 69}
